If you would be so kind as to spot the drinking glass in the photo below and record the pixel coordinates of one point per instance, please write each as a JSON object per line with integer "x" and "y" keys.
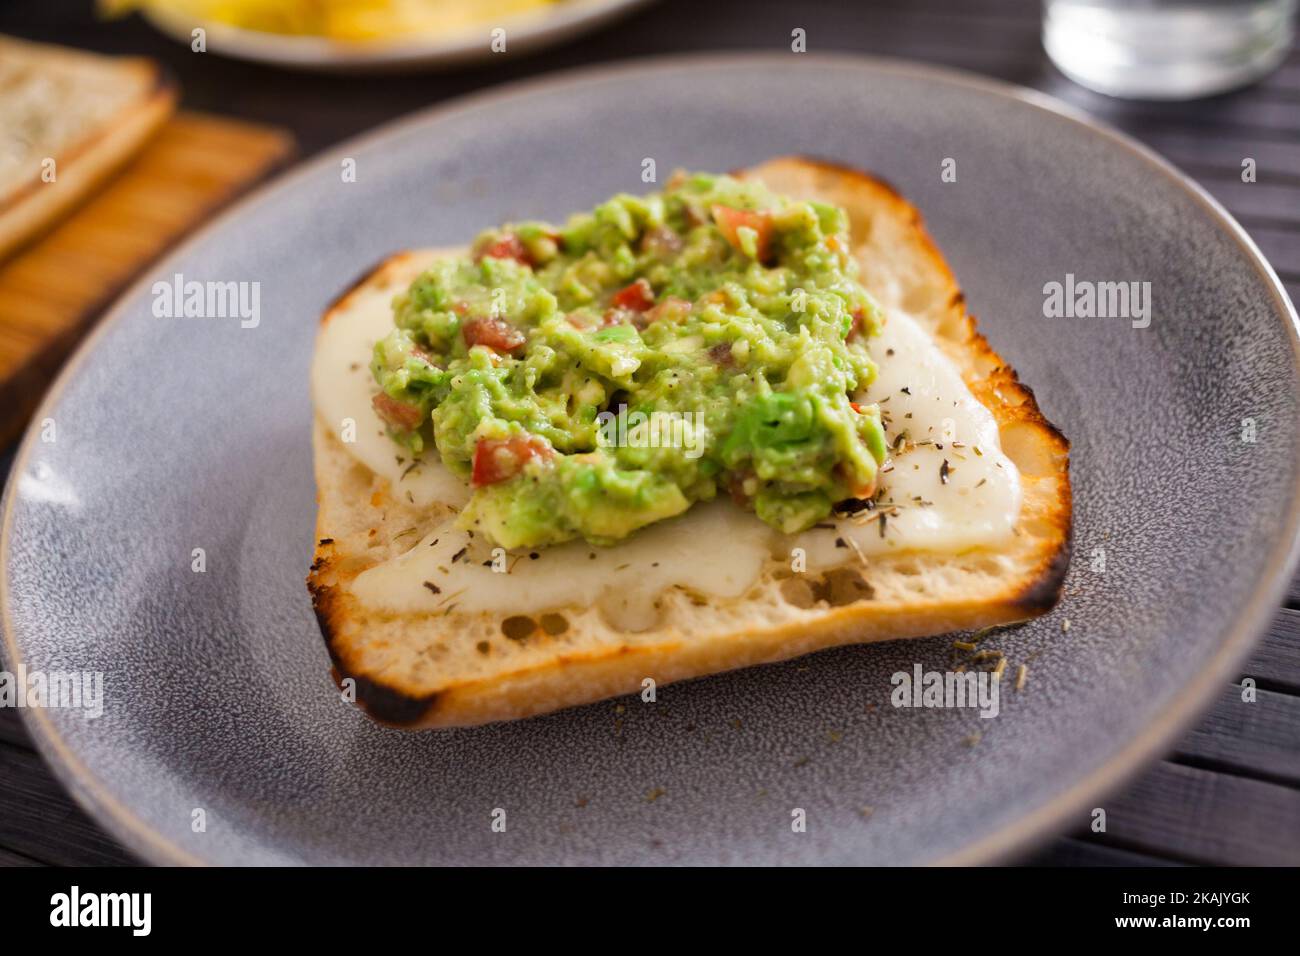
{"x": 1167, "y": 49}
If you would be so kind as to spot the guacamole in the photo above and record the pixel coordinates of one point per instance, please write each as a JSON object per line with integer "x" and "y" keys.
{"x": 593, "y": 378}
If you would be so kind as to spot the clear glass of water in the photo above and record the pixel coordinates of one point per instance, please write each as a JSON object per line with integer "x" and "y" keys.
{"x": 1167, "y": 49}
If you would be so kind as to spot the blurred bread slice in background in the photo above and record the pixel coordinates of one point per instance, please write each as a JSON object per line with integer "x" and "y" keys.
{"x": 68, "y": 119}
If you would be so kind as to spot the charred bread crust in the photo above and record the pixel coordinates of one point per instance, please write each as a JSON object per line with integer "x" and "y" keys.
{"x": 382, "y": 701}
{"x": 380, "y": 274}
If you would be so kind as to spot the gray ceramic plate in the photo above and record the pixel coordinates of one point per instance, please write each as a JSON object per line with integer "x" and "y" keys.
{"x": 174, "y": 435}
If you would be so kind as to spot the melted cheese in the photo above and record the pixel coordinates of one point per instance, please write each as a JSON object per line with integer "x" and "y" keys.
{"x": 715, "y": 549}
{"x": 343, "y": 389}
{"x": 972, "y": 502}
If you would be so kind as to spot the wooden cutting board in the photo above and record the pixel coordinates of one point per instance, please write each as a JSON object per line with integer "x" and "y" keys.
{"x": 52, "y": 291}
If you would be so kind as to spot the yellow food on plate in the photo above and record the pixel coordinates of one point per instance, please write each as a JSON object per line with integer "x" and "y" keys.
{"x": 338, "y": 19}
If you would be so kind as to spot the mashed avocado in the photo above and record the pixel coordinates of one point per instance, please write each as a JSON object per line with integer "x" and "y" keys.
{"x": 593, "y": 378}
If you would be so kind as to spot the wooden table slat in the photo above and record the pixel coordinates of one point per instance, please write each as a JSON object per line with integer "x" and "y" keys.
{"x": 1275, "y": 661}
{"x": 1257, "y": 738}
{"x": 12, "y": 730}
{"x": 9, "y": 858}
{"x": 1281, "y": 246}
{"x": 1199, "y": 816}
{"x": 1260, "y": 201}
{"x": 1285, "y": 79}
{"x": 1275, "y": 161}
{"x": 1082, "y": 851}
{"x": 1026, "y": 10}
{"x": 39, "y": 820}
{"x": 1240, "y": 113}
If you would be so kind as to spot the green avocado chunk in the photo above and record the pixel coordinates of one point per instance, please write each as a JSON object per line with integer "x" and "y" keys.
{"x": 591, "y": 379}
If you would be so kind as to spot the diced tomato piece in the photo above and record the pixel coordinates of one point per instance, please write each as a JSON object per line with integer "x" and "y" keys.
{"x": 670, "y": 308}
{"x": 859, "y": 325}
{"x": 508, "y": 246}
{"x": 638, "y": 296}
{"x": 497, "y": 334}
{"x": 856, "y": 407}
{"x": 397, "y": 414}
{"x": 729, "y": 220}
{"x": 498, "y": 459}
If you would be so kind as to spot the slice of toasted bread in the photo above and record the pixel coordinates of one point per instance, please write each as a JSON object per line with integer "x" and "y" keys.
{"x": 454, "y": 668}
{"x": 68, "y": 119}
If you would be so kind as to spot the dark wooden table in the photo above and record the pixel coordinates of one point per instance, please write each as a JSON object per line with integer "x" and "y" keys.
{"x": 1230, "y": 792}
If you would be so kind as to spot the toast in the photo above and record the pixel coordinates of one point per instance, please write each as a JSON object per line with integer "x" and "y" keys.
{"x": 86, "y": 113}
{"x": 452, "y": 666}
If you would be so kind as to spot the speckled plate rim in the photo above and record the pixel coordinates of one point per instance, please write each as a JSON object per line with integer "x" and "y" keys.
{"x": 1036, "y": 825}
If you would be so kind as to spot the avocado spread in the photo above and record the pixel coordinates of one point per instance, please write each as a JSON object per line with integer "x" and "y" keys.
{"x": 593, "y": 378}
